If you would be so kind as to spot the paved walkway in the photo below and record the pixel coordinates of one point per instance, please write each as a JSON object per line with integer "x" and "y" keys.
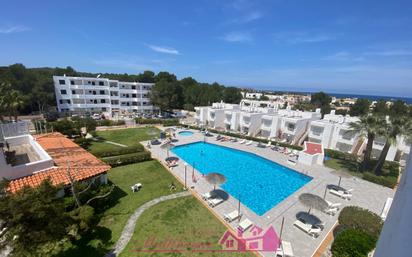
{"x": 128, "y": 230}
{"x": 114, "y": 143}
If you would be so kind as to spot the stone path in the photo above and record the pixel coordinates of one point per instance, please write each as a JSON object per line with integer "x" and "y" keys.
{"x": 128, "y": 230}
{"x": 114, "y": 143}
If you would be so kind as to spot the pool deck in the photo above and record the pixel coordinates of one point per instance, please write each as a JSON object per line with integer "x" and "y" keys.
{"x": 366, "y": 194}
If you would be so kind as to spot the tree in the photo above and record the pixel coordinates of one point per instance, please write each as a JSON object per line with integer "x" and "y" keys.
{"x": 34, "y": 222}
{"x": 146, "y": 77}
{"x": 368, "y": 125}
{"x": 166, "y": 94}
{"x": 381, "y": 107}
{"x": 361, "y": 107}
{"x": 399, "y": 108}
{"x": 264, "y": 98}
{"x": 321, "y": 100}
{"x": 394, "y": 126}
{"x": 232, "y": 95}
{"x": 15, "y": 102}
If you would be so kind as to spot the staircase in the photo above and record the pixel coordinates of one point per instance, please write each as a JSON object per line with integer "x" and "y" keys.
{"x": 359, "y": 147}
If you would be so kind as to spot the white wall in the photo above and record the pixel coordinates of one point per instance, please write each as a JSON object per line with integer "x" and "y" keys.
{"x": 396, "y": 235}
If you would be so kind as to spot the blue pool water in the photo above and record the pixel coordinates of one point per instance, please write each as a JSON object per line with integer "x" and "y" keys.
{"x": 261, "y": 183}
{"x": 185, "y": 133}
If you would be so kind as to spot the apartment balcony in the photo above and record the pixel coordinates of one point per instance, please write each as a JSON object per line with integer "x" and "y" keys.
{"x": 228, "y": 122}
{"x": 129, "y": 91}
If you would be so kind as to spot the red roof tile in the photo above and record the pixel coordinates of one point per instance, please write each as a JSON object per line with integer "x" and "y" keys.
{"x": 67, "y": 156}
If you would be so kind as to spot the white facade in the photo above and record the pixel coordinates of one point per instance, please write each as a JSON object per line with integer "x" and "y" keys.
{"x": 334, "y": 132}
{"x": 214, "y": 116}
{"x": 79, "y": 94}
{"x": 398, "y": 151}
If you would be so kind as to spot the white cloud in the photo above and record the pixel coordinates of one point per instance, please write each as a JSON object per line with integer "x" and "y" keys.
{"x": 389, "y": 53}
{"x": 343, "y": 56}
{"x": 238, "y": 36}
{"x": 304, "y": 37}
{"x": 12, "y": 29}
{"x": 165, "y": 50}
{"x": 249, "y": 17}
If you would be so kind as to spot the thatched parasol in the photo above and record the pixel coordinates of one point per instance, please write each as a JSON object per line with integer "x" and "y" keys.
{"x": 215, "y": 179}
{"x": 313, "y": 202}
{"x": 169, "y": 130}
{"x": 171, "y": 159}
{"x": 341, "y": 174}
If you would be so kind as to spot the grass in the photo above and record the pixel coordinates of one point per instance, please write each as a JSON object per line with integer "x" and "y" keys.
{"x": 129, "y": 137}
{"x": 111, "y": 215}
{"x": 182, "y": 220}
{"x": 344, "y": 165}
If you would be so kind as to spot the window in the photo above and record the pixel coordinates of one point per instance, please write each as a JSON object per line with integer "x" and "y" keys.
{"x": 102, "y": 92}
{"x": 93, "y": 83}
{"x": 63, "y": 92}
{"x": 133, "y": 87}
{"x": 104, "y": 109}
{"x": 62, "y": 82}
{"x": 229, "y": 243}
{"x": 71, "y": 82}
{"x": 73, "y": 92}
{"x": 134, "y": 95}
{"x": 134, "y": 103}
{"x": 103, "y": 101}
{"x": 101, "y": 83}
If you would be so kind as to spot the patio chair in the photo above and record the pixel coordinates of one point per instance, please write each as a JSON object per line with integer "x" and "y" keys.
{"x": 347, "y": 195}
{"x": 269, "y": 144}
{"x": 213, "y": 202}
{"x": 284, "y": 250}
{"x": 249, "y": 143}
{"x": 231, "y": 216}
{"x": 244, "y": 225}
{"x": 308, "y": 228}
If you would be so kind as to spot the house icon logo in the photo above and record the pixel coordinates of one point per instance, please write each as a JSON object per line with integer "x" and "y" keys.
{"x": 255, "y": 239}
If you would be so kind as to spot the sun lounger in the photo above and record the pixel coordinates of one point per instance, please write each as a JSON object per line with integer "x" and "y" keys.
{"x": 307, "y": 228}
{"x": 244, "y": 225}
{"x": 207, "y": 196}
{"x": 136, "y": 187}
{"x": 386, "y": 208}
{"x": 285, "y": 250}
{"x": 342, "y": 194}
{"x": 331, "y": 211}
{"x": 334, "y": 205}
{"x": 231, "y": 216}
{"x": 242, "y": 141}
{"x": 214, "y": 201}
{"x": 269, "y": 144}
{"x": 249, "y": 143}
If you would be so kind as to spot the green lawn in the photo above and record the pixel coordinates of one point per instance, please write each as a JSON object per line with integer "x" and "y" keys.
{"x": 183, "y": 220}
{"x": 129, "y": 137}
{"x": 112, "y": 216}
{"x": 344, "y": 165}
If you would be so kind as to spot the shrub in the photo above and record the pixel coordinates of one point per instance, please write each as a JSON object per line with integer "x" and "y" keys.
{"x": 340, "y": 155}
{"x": 83, "y": 142}
{"x": 361, "y": 219}
{"x": 119, "y": 160}
{"x": 119, "y": 151}
{"x": 387, "y": 181}
{"x": 108, "y": 123}
{"x": 165, "y": 122}
{"x": 353, "y": 243}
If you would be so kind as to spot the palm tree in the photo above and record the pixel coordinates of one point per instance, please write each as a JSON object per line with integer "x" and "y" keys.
{"x": 4, "y": 89}
{"x": 368, "y": 126}
{"x": 394, "y": 127}
{"x": 15, "y": 102}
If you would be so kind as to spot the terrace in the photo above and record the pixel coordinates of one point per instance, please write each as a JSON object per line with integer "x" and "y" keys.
{"x": 366, "y": 195}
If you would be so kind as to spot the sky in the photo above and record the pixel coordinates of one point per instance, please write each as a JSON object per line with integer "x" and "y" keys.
{"x": 351, "y": 46}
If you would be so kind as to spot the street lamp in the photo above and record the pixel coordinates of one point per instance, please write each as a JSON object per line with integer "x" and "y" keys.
{"x": 185, "y": 172}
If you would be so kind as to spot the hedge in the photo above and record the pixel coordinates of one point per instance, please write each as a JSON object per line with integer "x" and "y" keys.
{"x": 361, "y": 219}
{"x": 353, "y": 243}
{"x": 388, "y": 181}
{"x": 341, "y": 155}
{"x": 165, "y": 122}
{"x": 119, "y": 160}
{"x": 262, "y": 140}
{"x": 119, "y": 151}
{"x": 110, "y": 123}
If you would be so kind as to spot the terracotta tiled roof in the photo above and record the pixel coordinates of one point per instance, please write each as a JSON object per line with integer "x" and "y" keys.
{"x": 313, "y": 148}
{"x": 67, "y": 156}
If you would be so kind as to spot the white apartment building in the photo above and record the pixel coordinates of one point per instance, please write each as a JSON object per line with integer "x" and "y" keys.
{"x": 334, "y": 132}
{"x": 397, "y": 152}
{"x": 82, "y": 94}
{"x": 214, "y": 116}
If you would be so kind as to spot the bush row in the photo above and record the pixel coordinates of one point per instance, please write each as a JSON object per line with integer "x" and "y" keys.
{"x": 110, "y": 123}
{"x": 357, "y": 233}
{"x": 388, "y": 181}
{"x": 165, "y": 122}
{"x": 119, "y": 160}
{"x": 262, "y": 140}
{"x": 340, "y": 155}
{"x": 119, "y": 151}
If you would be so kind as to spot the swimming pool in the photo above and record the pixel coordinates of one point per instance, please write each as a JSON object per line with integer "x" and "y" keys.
{"x": 261, "y": 183}
{"x": 185, "y": 133}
